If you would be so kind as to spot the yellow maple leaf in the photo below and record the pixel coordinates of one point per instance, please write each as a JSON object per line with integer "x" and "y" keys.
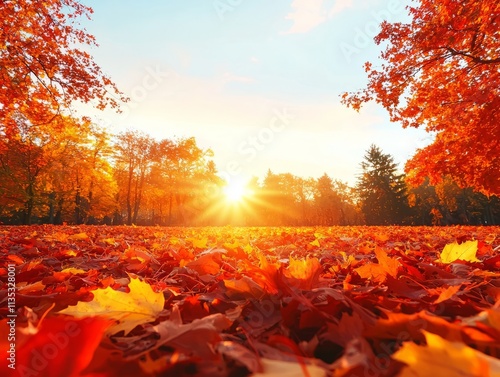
{"x": 315, "y": 243}
{"x": 465, "y": 251}
{"x": 199, "y": 243}
{"x": 307, "y": 271}
{"x": 444, "y": 358}
{"x": 232, "y": 246}
{"x": 139, "y": 306}
{"x": 74, "y": 271}
{"x": 78, "y": 236}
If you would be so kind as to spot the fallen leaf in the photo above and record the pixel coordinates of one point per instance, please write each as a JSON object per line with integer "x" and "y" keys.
{"x": 447, "y": 293}
{"x": 60, "y": 348}
{"x": 373, "y": 272}
{"x": 78, "y": 236}
{"x": 198, "y": 337}
{"x": 204, "y": 265}
{"x": 244, "y": 286}
{"x": 465, "y": 251}
{"x": 389, "y": 264}
{"x": 199, "y": 243}
{"x": 377, "y": 272}
{"x": 278, "y": 368}
{"x": 139, "y": 306}
{"x": 315, "y": 243}
{"x": 305, "y": 270}
{"x": 28, "y": 288}
{"x": 74, "y": 271}
{"x": 16, "y": 259}
{"x": 240, "y": 354}
{"x": 441, "y": 357}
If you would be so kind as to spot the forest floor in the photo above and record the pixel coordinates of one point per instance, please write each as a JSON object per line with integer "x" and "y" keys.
{"x": 231, "y": 301}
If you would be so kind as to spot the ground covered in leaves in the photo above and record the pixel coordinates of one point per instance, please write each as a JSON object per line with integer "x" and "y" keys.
{"x": 339, "y": 301}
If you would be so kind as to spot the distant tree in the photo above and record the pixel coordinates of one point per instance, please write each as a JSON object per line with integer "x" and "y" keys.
{"x": 425, "y": 204}
{"x": 381, "y": 190}
{"x": 24, "y": 156}
{"x": 350, "y": 210}
{"x": 133, "y": 163}
{"x": 183, "y": 179}
{"x": 328, "y": 203}
{"x": 447, "y": 203}
{"x": 55, "y": 172}
{"x": 441, "y": 71}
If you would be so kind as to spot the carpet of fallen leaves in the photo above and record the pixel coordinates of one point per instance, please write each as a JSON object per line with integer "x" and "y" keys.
{"x": 338, "y": 301}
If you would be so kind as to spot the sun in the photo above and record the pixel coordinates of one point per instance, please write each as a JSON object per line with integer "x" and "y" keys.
{"x": 236, "y": 191}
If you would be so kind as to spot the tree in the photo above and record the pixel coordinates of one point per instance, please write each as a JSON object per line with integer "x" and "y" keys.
{"x": 23, "y": 158}
{"x": 133, "y": 164}
{"x": 442, "y": 72}
{"x": 42, "y": 66}
{"x": 55, "y": 172}
{"x": 187, "y": 175}
{"x": 425, "y": 204}
{"x": 381, "y": 190}
{"x": 328, "y": 203}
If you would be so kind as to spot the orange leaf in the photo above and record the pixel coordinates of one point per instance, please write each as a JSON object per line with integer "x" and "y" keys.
{"x": 441, "y": 357}
{"x": 204, "y": 265}
{"x": 60, "y": 348}
{"x": 390, "y": 265}
{"x": 16, "y": 259}
{"x": 447, "y": 293}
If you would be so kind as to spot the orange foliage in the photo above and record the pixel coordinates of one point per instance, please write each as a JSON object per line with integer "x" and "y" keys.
{"x": 441, "y": 72}
{"x": 133, "y": 301}
{"x": 42, "y": 70}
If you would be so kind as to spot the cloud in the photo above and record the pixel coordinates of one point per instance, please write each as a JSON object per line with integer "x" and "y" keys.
{"x": 339, "y": 6}
{"x": 255, "y": 60}
{"x": 307, "y": 14}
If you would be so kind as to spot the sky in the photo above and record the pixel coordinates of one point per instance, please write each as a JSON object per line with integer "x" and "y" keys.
{"x": 256, "y": 81}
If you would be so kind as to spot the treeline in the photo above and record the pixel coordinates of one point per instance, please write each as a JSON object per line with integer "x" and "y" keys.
{"x": 380, "y": 197}
{"x": 72, "y": 171}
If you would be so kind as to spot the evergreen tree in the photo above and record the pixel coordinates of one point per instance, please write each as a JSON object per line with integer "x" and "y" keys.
{"x": 381, "y": 189}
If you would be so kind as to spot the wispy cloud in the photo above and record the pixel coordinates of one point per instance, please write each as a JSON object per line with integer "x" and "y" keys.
{"x": 339, "y": 6}
{"x": 307, "y": 14}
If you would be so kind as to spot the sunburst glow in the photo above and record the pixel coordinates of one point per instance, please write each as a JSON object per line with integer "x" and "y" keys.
{"x": 236, "y": 191}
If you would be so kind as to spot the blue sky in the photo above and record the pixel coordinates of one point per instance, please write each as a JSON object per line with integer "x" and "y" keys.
{"x": 258, "y": 81}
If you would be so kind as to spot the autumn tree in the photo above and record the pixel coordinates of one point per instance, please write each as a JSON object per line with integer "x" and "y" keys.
{"x": 55, "y": 172}
{"x": 349, "y": 203}
{"x": 133, "y": 155}
{"x": 328, "y": 203}
{"x": 189, "y": 174}
{"x": 425, "y": 204}
{"x": 80, "y": 185}
{"x": 382, "y": 191}
{"x": 163, "y": 181}
{"x": 278, "y": 204}
{"x": 441, "y": 71}
{"x": 44, "y": 66}
{"x": 24, "y": 156}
